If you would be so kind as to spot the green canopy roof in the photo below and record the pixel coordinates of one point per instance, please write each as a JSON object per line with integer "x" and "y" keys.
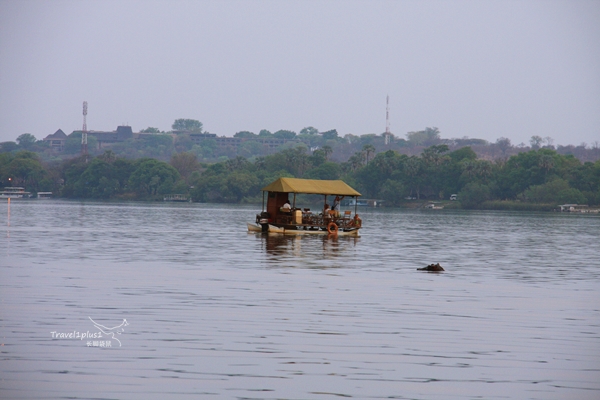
{"x": 310, "y": 186}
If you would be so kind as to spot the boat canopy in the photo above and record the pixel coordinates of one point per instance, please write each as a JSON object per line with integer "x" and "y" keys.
{"x": 311, "y": 186}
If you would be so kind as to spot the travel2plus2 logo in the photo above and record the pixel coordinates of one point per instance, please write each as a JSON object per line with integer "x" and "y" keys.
{"x": 103, "y": 337}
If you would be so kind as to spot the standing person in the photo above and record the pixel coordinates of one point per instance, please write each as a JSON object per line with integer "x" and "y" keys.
{"x": 336, "y": 205}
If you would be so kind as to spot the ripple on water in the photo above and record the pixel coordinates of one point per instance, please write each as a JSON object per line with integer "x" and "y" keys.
{"x": 214, "y": 311}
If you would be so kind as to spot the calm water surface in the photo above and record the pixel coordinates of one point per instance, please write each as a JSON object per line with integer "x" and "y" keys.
{"x": 215, "y": 312}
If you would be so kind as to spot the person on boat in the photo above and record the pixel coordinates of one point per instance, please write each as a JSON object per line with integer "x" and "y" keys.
{"x": 336, "y": 205}
{"x": 287, "y": 205}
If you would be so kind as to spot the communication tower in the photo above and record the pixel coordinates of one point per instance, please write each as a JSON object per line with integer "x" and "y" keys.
{"x": 387, "y": 135}
{"x": 84, "y": 141}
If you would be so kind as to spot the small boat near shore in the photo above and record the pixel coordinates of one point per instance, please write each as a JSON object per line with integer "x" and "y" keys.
{"x": 44, "y": 195}
{"x": 280, "y": 216}
{"x": 177, "y": 197}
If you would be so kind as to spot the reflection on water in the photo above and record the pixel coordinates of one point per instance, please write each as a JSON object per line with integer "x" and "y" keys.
{"x": 214, "y": 311}
{"x": 305, "y": 247}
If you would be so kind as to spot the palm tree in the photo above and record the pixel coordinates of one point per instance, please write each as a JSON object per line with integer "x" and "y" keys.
{"x": 469, "y": 168}
{"x": 327, "y": 150}
{"x": 484, "y": 169}
{"x": 412, "y": 166}
{"x": 546, "y": 162}
{"x": 356, "y": 161}
{"x": 368, "y": 149}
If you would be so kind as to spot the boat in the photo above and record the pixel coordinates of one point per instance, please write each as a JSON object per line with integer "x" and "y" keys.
{"x": 578, "y": 208}
{"x": 14, "y": 192}
{"x": 44, "y": 195}
{"x": 279, "y": 216}
{"x": 182, "y": 198}
{"x": 434, "y": 206}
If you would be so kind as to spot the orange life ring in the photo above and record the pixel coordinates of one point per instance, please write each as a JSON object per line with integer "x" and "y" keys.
{"x": 332, "y": 228}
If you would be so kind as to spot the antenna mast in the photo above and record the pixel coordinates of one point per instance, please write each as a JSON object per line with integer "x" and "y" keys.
{"x": 84, "y": 141}
{"x": 387, "y": 134}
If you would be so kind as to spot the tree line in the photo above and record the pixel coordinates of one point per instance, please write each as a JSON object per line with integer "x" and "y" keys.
{"x": 542, "y": 176}
{"x": 163, "y": 145}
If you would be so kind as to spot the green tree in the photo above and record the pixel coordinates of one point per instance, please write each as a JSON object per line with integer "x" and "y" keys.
{"x": 546, "y": 162}
{"x": 284, "y": 134}
{"x": 384, "y": 166}
{"x": 237, "y": 164}
{"x": 26, "y": 140}
{"x": 503, "y": 144}
{"x": 6, "y": 147}
{"x": 473, "y": 194}
{"x": 150, "y": 130}
{"x": 297, "y": 161}
{"x": 556, "y": 192}
{"x": 393, "y": 192}
{"x": 96, "y": 181}
{"x": 428, "y": 137}
{"x": 327, "y": 170}
{"x": 330, "y": 135}
{"x": 70, "y": 172}
{"x": 356, "y": 161}
{"x": 433, "y": 155}
{"x": 153, "y": 177}
{"x": 309, "y": 130}
{"x": 536, "y": 142}
{"x": 462, "y": 154}
{"x": 239, "y": 185}
{"x": 318, "y": 157}
{"x": 252, "y": 148}
{"x": 189, "y": 125}
{"x": 244, "y": 134}
{"x": 484, "y": 169}
{"x": 185, "y": 163}
{"x": 24, "y": 169}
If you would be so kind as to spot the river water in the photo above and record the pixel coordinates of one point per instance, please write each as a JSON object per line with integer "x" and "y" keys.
{"x": 212, "y": 311}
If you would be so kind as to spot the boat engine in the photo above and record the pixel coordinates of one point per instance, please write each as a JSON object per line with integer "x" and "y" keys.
{"x": 263, "y": 220}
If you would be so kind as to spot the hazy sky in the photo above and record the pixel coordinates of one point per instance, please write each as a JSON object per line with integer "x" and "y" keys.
{"x": 484, "y": 69}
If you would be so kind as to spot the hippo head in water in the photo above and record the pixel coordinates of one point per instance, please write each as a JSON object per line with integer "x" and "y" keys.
{"x": 432, "y": 268}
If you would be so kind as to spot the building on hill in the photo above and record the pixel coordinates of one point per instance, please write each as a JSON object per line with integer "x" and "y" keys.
{"x": 225, "y": 141}
{"x": 105, "y": 139}
{"x": 56, "y": 140}
{"x": 198, "y": 137}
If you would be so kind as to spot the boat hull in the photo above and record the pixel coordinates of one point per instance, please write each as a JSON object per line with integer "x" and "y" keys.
{"x": 284, "y": 231}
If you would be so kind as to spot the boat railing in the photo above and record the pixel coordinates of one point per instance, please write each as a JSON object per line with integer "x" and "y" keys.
{"x": 316, "y": 220}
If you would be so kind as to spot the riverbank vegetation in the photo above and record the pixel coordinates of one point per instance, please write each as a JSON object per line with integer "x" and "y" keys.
{"x": 536, "y": 179}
